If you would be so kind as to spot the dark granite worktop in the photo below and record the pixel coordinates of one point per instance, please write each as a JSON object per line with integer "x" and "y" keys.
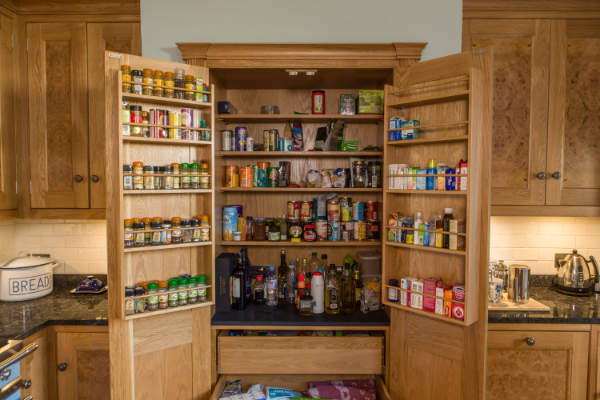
{"x": 21, "y": 319}
{"x": 564, "y": 309}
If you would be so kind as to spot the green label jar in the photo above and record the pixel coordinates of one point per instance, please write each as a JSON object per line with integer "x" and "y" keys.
{"x": 173, "y": 293}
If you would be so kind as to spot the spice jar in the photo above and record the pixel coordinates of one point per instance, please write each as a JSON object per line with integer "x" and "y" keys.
{"x": 158, "y": 178}
{"x": 201, "y": 279}
{"x": 306, "y": 305}
{"x": 157, "y": 81}
{"x": 183, "y": 291}
{"x": 138, "y": 178}
{"x": 135, "y": 117}
{"x": 186, "y": 227}
{"x": 156, "y": 225}
{"x": 138, "y": 228}
{"x": 189, "y": 85}
{"x": 192, "y": 290}
{"x": 166, "y": 234}
{"x": 147, "y": 80}
{"x": 199, "y": 88}
{"x": 179, "y": 83}
{"x": 136, "y": 81}
{"x": 125, "y": 79}
{"x": 195, "y": 229}
{"x": 176, "y": 176}
{"x": 169, "y": 85}
{"x": 163, "y": 296}
{"x": 173, "y": 293}
{"x": 129, "y": 301}
{"x": 204, "y": 229}
{"x": 128, "y": 233}
{"x": 176, "y": 234}
{"x": 125, "y": 119}
{"x": 140, "y": 303}
{"x": 148, "y": 178}
{"x": 127, "y": 178}
{"x": 186, "y": 182}
{"x": 145, "y": 123}
{"x": 168, "y": 178}
{"x": 152, "y": 301}
{"x": 194, "y": 172}
{"x": 147, "y": 231}
{"x": 204, "y": 176}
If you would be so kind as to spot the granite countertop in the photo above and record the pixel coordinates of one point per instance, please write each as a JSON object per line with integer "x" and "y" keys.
{"x": 564, "y": 309}
{"x": 21, "y": 319}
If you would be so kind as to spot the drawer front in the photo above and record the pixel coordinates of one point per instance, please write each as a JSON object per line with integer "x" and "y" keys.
{"x": 300, "y": 355}
{"x": 9, "y": 374}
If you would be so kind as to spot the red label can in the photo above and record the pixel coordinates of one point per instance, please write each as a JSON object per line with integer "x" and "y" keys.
{"x": 306, "y": 210}
{"x": 333, "y": 211}
{"x": 293, "y": 209}
{"x": 371, "y": 211}
{"x": 321, "y": 228}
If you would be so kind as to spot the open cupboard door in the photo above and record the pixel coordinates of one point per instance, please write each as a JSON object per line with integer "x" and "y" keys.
{"x": 434, "y": 356}
{"x": 165, "y": 353}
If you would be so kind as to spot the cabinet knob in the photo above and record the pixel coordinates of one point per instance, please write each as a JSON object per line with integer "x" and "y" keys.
{"x": 556, "y": 175}
{"x": 95, "y": 178}
{"x": 530, "y": 341}
{"x": 541, "y": 175}
{"x": 5, "y": 374}
{"x": 62, "y": 366}
{"x": 27, "y": 384}
{"x": 78, "y": 178}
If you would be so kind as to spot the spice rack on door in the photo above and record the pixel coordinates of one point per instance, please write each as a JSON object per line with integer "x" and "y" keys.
{"x": 150, "y": 262}
{"x": 444, "y": 107}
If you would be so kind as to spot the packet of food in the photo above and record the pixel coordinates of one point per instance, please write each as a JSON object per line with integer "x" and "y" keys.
{"x": 276, "y": 393}
{"x": 232, "y": 387}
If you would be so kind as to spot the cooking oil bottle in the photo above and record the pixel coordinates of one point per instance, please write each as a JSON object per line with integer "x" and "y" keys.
{"x": 332, "y": 292}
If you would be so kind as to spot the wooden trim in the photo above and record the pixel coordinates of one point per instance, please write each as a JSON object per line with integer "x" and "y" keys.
{"x": 26, "y": 18}
{"x": 34, "y": 7}
{"x": 66, "y": 213}
{"x": 541, "y": 327}
{"x": 301, "y": 328}
{"x": 531, "y": 9}
{"x": 546, "y": 211}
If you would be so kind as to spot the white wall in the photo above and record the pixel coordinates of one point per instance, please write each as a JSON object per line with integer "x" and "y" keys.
{"x": 165, "y": 22}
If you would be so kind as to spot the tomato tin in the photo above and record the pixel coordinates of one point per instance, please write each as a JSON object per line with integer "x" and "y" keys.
{"x": 293, "y": 209}
{"x": 333, "y": 230}
{"x": 306, "y": 211}
{"x": 246, "y": 178}
{"x": 371, "y": 211}
{"x": 360, "y": 230}
{"x": 321, "y": 228}
{"x": 333, "y": 210}
{"x": 358, "y": 211}
{"x": 241, "y": 134}
{"x": 347, "y": 228}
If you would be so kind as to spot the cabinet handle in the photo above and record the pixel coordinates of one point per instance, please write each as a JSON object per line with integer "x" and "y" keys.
{"x": 95, "y": 178}
{"x": 556, "y": 175}
{"x": 530, "y": 341}
{"x": 62, "y": 366}
{"x": 78, "y": 178}
{"x": 27, "y": 384}
{"x": 541, "y": 175}
{"x": 5, "y": 375}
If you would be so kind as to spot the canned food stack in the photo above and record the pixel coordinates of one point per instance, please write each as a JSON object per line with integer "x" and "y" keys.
{"x": 261, "y": 174}
{"x": 399, "y": 129}
{"x": 436, "y": 176}
{"x": 157, "y": 83}
{"x": 430, "y": 295}
{"x": 140, "y": 232}
{"x": 137, "y": 176}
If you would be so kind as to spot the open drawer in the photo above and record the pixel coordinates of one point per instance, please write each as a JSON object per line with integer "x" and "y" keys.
{"x": 300, "y": 355}
{"x": 295, "y": 382}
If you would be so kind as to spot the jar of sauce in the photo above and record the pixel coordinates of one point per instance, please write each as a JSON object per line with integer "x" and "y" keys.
{"x": 177, "y": 233}
{"x": 128, "y": 233}
{"x": 125, "y": 78}
{"x": 309, "y": 234}
{"x": 259, "y": 229}
{"x": 169, "y": 85}
{"x": 295, "y": 230}
{"x": 163, "y": 297}
{"x": 147, "y": 82}
{"x": 173, "y": 293}
{"x": 136, "y": 81}
{"x": 158, "y": 82}
{"x": 190, "y": 86}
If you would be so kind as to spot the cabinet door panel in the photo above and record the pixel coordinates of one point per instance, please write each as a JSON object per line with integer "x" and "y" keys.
{"x": 521, "y": 49}
{"x": 121, "y": 37}
{"x": 555, "y": 367}
{"x": 574, "y": 125}
{"x": 58, "y": 132}
{"x": 8, "y": 194}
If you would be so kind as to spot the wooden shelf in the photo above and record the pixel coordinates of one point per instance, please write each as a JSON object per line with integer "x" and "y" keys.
{"x": 174, "y": 142}
{"x": 324, "y": 243}
{"x": 412, "y": 142}
{"x": 251, "y": 118}
{"x": 414, "y": 101}
{"x": 167, "y": 101}
{"x": 425, "y": 313}
{"x": 432, "y": 127}
{"x": 166, "y": 246}
{"x": 425, "y": 295}
{"x": 145, "y": 296}
{"x": 429, "y": 192}
{"x": 406, "y": 228}
{"x": 184, "y": 128}
{"x": 309, "y": 154}
{"x": 169, "y": 310}
{"x": 426, "y": 248}
{"x": 171, "y": 191}
{"x": 305, "y": 190}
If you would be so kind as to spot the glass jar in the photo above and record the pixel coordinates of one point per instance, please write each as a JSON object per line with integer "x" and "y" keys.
{"x": 199, "y": 87}
{"x": 148, "y": 178}
{"x": 204, "y": 229}
{"x": 176, "y": 176}
{"x": 168, "y": 179}
{"x": 163, "y": 297}
{"x": 128, "y": 233}
{"x": 129, "y": 301}
{"x": 145, "y": 123}
{"x": 186, "y": 227}
{"x": 177, "y": 234}
{"x": 195, "y": 229}
{"x": 158, "y": 82}
{"x": 147, "y": 231}
{"x": 138, "y": 175}
{"x": 152, "y": 301}
{"x": 127, "y": 177}
{"x": 140, "y": 303}
{"x": 259, "y": 229}
{"x": 156, "y": 226}
{"x": 201, "y": 279}
{"x": 125, "y": 119}
{"x": 147, "y": 82}
{"x": 182, "y": 287}
{"x": 189, "y": 85}
{"x": 306, "y": 305}
{"x": 173, "y": 293}
{"x": 157, "y": 181}
{"x": 166, "y": 234}
{"x": 186, "y": 182}
{"x": 194, "y": 172}
{"x": 169, "y": 85}
{"x": 136, "y": 81}
{"x": 359, "y": 174}
{"x": 135, "y": 117}
{"x": 179, "y": 83}
{"x": 138, "y": 228}
{"x": 192, "y": 291}
{"x": 204, "y": 175}
{"x": 125, "y": 78}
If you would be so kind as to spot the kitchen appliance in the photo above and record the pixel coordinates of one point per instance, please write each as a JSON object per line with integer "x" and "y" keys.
{"x": 518, "y": 283}
{"x": 26, "y": 277}
{"x": 575, "y": 276}
{"x": 11, "y": 379}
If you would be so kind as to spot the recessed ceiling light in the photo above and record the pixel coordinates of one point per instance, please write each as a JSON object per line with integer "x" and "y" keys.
{"x": 293, "y": 73}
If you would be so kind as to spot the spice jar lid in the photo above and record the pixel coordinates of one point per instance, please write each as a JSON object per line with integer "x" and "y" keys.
{"x": 186, "y": 223}
{"x": 173, "y": 282}
{"x": 127, "y": 168}
{"x": 203, "y": 164}
{"x": 167, "y": 222}
{"x": 152, "y": 285}
{"x": 139, "y": 291}
{"x": 129, "y": 291}
{"x": 156, "y": 219}
{"x": 162, "y": 169}
{"x": 194, "y": 166}
{"x": 134, "y": 107}
{"x": 147, "y": 71}
{"x": 192, "y": 280}
{"x": 179, "y": 72}
{"x": 146, "y": 220}
{"x": 169, "y": 169}
{"x": 204, "y": 218}
{"x": 162, "y": 284}
{"x": 176, "y": 220}
{"x": 136, "y": 72}
{"x": 183, "y": 281}
{"x": 175, "y": 165}
{"x": 158, "y": 72}
{"x": 189, "y": 77}
{"x": 202, "y": 278}
{"x": 184, "y": 165}
{"x": 127, "y": 222}
{"x": 169, "y": 75}
{"x": 195, "y": 222}
{"x": 138, "y": 164}
{"x": 148, "y": 168}
{"x": 259, "y": 278}
{"x": 125, "y": 68}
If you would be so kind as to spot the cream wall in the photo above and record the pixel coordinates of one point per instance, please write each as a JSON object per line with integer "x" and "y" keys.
{"x": 438, "y": 22}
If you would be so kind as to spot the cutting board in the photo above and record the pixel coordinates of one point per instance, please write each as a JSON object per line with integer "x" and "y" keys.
{"x": 531, "y": 305}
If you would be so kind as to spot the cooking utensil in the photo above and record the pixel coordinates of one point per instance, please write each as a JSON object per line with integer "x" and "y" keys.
{"x": 518, "y": 283}
{"x": 27, "y": 276}
{"x": 574, "y": 275}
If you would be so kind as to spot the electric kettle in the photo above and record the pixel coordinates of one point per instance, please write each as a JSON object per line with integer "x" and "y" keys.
{"x": 575, "y": 275}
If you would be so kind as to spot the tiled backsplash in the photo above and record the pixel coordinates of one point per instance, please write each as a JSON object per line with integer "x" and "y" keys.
{"x": 533, "y": 241}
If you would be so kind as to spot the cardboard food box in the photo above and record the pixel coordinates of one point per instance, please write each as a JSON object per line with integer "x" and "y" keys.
{"x": 370, "y": 101}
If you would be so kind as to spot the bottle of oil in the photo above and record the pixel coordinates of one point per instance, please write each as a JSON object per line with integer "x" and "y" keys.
{"x": 332, "y": 292}
{"x": 348, "y": 291}
{"x": 282, "y": 278}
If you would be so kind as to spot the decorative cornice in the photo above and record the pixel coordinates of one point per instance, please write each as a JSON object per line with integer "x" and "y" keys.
{"x": 531, "y": 9}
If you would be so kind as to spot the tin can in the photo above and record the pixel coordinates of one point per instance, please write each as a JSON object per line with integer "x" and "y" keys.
{"x": 333, "y": 210}
{"x": 321, "y": 228}
{"x": 372, "y": 230}
{"x": 284, "y": 173}
{"x": 360, "y": 230}
{"x": 266, "y": 139}
{"x": 347, "y": 229}
{"x": 320, "y": 208}
{"x": 241, "y": 134}
{"x": 273, "y": 140}
{"x": 358, "y": 210}
{"x": 187, "y": 117}
{"x": 293, "y": 209}
{"x": 306, "y": 210}
{"x": 263, "y": 165}
{"x": 259, "y": 177}
{"x": 346, "y": 208}
{"x": 250, "y": 144}
{"x": 273, "y": 177}
{"x": 371, "y": 211}
{"x": 246, "y": 178}
{"x": 232, "y": 177}
{"x": 333, "y": 230}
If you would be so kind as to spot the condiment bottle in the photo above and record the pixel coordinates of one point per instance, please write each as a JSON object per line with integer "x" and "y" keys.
{"x": 196, "y": 229}
{"x": 138, "y": 227}
{"x": 201, "y": 280}
{"x": 158, "y": 82}
{"x": 147, "y": 231}
{"x": 177, "y": 234}
{"x": 190, "y": 86}
{"x": 446, "y": 226}
{"x": 176, "y": 176}
{"x": 173, "y": 293}
{"x": 148, "y": 178}
{"x": 192, "y": 290}
{"x": 183, "y": 291}
{"x": 195, "y": 175}
{"x": 186, "y": 182}
{"x": 147, "y": 80}
{"x": 259, "y": 290}
{"x": 163, "y": 297}
{"x": 126, "y": 78}
{"x": 138, "y": 172}
{"x": 156, "y": 225}
{"x": 136, "y": 81}
{"x": 204, "y": 175}
{"x": 170, "y": 84}
{"x": 128, "y": 233}
{"x": 129, "y": 301}
{"x": 318, "y": 293}
{"x": 204, "y": 229}
{"x": 127, "y": 178}
{"x": 152, "y": 301}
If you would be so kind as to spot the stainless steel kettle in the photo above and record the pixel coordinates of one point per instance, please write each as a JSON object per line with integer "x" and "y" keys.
{"x": 575, "y": 275}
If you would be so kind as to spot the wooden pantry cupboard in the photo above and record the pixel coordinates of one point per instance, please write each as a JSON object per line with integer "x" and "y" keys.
{"x": 420, "y": 355}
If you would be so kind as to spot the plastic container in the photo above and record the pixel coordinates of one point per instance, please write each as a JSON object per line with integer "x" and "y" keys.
{"x": 317, "y": 285}
{"x": 370, "y": 263}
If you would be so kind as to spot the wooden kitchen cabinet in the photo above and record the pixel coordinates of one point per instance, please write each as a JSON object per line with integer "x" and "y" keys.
{"x": 35, "y": 366}
{"x": 536, "y": 364}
